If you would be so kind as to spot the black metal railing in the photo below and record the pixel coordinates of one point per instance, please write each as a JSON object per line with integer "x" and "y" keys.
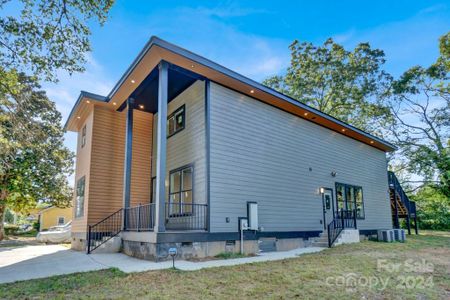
{"x": 140, "y": 218}
{"x": 342, "y": 219}
{"x": 104, "y": 230}
{"x": 186, "y": 216}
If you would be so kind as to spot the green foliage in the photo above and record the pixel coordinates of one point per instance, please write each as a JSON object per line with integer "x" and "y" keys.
{"x": 348, "y": 85}
{"x": 433, "y": 208}
{"x": 230, "y": 255}
{"x": 46, "y": 35}
{"x": 34, "y": 163}
{"x": 420, "y": 103}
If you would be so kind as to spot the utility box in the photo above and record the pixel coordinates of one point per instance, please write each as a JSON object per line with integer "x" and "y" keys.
{"x": 252, "y": 214}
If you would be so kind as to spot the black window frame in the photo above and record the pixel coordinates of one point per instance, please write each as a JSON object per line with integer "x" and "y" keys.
{"x": 173, "y": 115}
{"x": 345, "y": 200}
{"x": 63, "y": 221}
{"x": 81, "y": 185}
{"x": 83, "y": 136}
{"x": 180, "y": 170}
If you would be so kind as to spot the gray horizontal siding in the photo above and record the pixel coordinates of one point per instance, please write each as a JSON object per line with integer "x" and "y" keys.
{"x": 187, "y": 146}
{"x": 260, "y": 153}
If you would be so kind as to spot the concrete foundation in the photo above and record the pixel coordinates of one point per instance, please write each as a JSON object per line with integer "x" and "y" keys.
{"x": 78, "y": 241}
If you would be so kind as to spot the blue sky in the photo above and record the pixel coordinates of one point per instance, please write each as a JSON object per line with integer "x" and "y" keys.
{"x": 252, "y": 37}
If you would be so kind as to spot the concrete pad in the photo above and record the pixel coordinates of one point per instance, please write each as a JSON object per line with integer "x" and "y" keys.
{"x": 31, "y": 262}
{"x": 49, "y": 260}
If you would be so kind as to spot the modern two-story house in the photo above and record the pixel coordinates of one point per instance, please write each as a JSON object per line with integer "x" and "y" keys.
{"x": 183, "y": 149}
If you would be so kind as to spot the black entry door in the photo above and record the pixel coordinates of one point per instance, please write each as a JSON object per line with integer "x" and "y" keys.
{"x": 328, "y": 206}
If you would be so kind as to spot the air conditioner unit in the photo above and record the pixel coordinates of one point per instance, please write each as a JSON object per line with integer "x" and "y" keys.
{"x": 399, "y": 235}
{"x": 386, "y": 235}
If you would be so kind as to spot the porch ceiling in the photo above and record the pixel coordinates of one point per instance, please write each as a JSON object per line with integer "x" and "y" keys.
{"x": 146, "y": 94}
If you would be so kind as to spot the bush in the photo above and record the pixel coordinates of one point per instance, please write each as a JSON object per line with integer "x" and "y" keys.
{"x": 11, "y": 229}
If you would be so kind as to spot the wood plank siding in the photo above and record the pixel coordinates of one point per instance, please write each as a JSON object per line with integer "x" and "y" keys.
{"x": 261, "y": 153}
{"x": 103, "y": 167}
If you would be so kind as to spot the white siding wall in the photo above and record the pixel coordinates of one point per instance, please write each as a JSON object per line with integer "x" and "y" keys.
{"x": 187, "y": 146}
{"x": 263, "y": 154}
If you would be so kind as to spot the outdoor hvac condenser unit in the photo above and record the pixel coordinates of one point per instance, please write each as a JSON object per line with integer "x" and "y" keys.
{"x": 386, "y": 235}
{"x": 399, "y": 235}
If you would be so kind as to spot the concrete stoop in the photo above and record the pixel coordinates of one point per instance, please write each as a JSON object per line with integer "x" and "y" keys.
{"x": 347, "y": 236}
{"x": 113, "y": 245}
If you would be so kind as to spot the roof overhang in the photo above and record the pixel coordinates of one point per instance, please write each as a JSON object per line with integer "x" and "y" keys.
{"x": 157, "y": 49}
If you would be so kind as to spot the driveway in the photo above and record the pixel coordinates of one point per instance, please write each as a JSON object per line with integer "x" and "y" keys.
{"x": 30, "y": 262}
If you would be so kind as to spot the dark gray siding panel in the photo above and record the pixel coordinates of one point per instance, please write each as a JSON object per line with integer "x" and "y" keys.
{"x": 260, "y": 153}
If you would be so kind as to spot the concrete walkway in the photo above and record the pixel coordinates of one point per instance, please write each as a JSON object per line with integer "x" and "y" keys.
{"x": 48, "y": 260}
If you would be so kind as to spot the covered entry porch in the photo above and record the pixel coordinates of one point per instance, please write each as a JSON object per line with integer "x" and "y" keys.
{"x": 175, "y": 101}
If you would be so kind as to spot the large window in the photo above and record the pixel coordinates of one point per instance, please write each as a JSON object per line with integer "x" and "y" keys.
{"x": 79, "y": 204}
{"x": 83, "y": 136}
{"x": 349, "y": 198}
{"x": 176, "y": 121}
{"x": 180, "y": 191}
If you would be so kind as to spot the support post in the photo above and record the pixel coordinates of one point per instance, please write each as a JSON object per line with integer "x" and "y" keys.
{"x": 128, "y": 159}
{"x": 416, "y": 229}
{"x": 161, "y": 138}
{"x": 408, "y": 223}
{"x": 396, "y": 222}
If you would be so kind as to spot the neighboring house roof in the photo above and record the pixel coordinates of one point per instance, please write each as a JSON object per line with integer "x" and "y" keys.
{"x": 157, "y": 49}
{"x": 49, "y": 208}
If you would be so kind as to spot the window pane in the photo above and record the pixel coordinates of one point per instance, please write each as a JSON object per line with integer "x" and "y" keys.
{"x": 340, "y": 196}
{"x": 174, "y": 204}
{"x": 187, "y": 201}
{"x": 350, "y": 198}
{"x": 187, "y": 179}
{"x": 80, "y": 198}
{"x": 175, "y": 182}
{"x": 179, "y": 124}
{"x": 359, "y": 203}
{"x": 153, "y": 190}
{"x": 170, "y": 125}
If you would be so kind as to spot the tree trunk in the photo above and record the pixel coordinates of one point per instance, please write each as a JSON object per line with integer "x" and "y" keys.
{"x": 2, "y": 214}
{"x": 2, "y": 219}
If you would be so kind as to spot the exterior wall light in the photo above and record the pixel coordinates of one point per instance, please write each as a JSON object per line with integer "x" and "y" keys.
{"x": 333, "y": 173}
{"x": 322, "y": 190}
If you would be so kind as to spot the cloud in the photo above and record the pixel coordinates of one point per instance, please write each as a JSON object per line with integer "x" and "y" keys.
{"x": 210, "y": 33}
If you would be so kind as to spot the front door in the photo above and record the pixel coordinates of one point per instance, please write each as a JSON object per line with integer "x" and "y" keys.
{"x": 328, "y": 206}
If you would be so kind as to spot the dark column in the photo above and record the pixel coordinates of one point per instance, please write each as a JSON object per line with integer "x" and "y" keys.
{"x": 408, "y": 223}
{"x": 416, "y": 227}
{"x": 128, "y": 154}
{"x": 396, "y": 223}
{"x": 161, "y": 138}
{"x": 207, "y": 143}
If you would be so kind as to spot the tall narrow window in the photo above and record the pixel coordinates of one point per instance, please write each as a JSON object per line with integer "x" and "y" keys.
{"x": 83, "y": 136}
{"x": 340, "y": 197}
{"x": 359, "y": 204}
{"x": 176, "y": 121}
{"x": 180, "y": 191}
{"x": 79, "y": 203}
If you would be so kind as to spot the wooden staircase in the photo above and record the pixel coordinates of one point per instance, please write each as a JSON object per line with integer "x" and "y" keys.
{"x": 401, "y": 206}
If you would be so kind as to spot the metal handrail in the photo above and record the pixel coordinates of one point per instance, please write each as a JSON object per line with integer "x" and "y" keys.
{"x": 140, "y": 218}
{"x": 343, "y": 219}
{"x": 104, "y": 230}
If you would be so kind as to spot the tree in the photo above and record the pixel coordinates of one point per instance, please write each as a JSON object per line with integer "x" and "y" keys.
{"x": 35, "y": 163}
{"x": 420, "y": 103}
{"x": 345, "y": 84}
{"x": 39, "y": 38}
{"x": 433, "y": 208}
{"x": 48, "y": 35}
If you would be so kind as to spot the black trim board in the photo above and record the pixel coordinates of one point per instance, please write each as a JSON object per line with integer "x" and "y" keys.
{"x": 178, "y": 237}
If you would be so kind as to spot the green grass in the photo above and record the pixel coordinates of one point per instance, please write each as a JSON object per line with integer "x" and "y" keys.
{"x": 302, "y": 277}
{"x": 230, "y": 255}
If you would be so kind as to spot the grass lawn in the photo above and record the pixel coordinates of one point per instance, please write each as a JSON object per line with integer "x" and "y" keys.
{"x": 423, "y": 273}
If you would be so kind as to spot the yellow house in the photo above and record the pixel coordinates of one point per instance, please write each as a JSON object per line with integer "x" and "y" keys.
{"x": 54, "y": 216}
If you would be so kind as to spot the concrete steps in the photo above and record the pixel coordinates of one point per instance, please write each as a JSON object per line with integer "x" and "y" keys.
{"x": 112, "y": 245}
{"x": 347, "y": 236}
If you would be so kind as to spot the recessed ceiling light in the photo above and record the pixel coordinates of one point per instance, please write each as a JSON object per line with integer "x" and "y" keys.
{"x": 87, "y": 101}
{"x": 192, "y": 66}
{"x": 78, "y": 117}
{"x": 114, "y": 103}
{"x": 132, "y": 81}
{"x": 305, "y": 113}
{"x": 343, "y": 129}
{"x": 371, "y": 142}
{"x": 252, "y": 91}
{"x": 141, "y": 106}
